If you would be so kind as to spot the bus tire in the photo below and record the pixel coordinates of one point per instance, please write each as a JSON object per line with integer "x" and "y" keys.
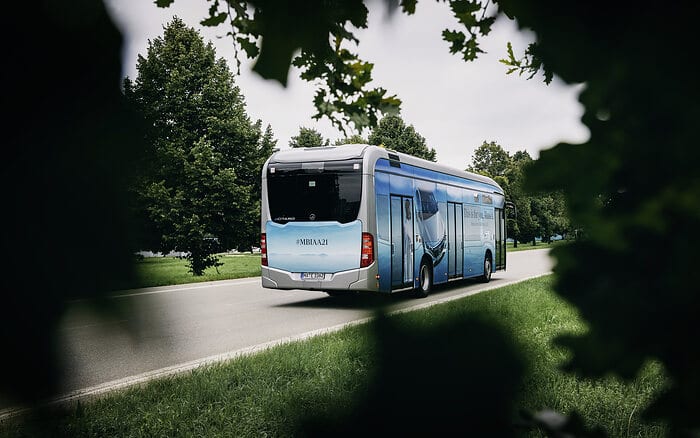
{"x": 488, "y": 269}
{"x": 425, "y": 280}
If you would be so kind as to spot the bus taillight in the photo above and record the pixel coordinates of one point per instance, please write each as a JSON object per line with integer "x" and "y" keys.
{"x": 263, "y": 249}
{"x": 367, "y": 254}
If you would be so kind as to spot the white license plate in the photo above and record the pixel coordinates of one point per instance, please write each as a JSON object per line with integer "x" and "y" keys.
{"x": 313, "y": 276}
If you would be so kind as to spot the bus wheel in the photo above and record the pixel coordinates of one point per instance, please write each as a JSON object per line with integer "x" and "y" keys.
{"x": 488, "y": 269}
{"x": 425, "y": 280}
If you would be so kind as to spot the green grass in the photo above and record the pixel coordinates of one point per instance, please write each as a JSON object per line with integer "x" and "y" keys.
{"x": 164, "y": 271}
{"x": 536, "y": 315}
{"x": 262, "y": 395}
{"x": 525, "y": 246}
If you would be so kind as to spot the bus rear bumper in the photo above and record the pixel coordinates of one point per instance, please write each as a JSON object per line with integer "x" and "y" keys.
{"x": 363, "y": 279}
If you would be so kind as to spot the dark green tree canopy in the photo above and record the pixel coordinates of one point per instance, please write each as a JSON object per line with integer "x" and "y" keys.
{"x": 490, "y": 159}
{"x": 393, "y": 133}
{"x": 353, "y": 139}
{"x": 199, "y": 192}
{"x": 308, "y": 138}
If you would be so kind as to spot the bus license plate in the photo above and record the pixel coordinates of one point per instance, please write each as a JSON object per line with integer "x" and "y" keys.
{"x": 313, "y": 276}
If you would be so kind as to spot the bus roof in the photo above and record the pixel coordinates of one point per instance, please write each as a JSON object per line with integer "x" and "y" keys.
{"x": 350, "y": 151}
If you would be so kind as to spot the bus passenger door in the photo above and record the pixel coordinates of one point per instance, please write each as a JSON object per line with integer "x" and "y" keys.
{"x": 500, "y": 239}
{"x": 459, "y": 240}
{"x": 455, "y": 245}
{"x": 401, "y": 241}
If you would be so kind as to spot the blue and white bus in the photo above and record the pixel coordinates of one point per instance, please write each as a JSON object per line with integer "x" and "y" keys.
{"x": 365, "y": 218}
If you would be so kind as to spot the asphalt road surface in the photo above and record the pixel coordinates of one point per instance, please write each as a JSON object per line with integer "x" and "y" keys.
{"x": 170, "y": 329}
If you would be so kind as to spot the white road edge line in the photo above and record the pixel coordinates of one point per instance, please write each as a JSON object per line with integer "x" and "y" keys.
{"x": 204, "y": 286}
{"x": 175, "y": 288}
{"x": 126, "y": 382}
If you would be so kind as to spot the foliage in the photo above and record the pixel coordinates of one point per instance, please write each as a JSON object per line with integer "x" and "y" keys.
{"x": 633, "y": 187}
{"x": 353, "y": 139}
{"x": 393, "y": 133}
{"x": 530, "y": 62}
{"x": 521, "y": 226}
{"x": 490, "y": 159}
{"x": 70, "y": 146}
{"x": 308, "y": 138}
{"x": 200, "y": 187}
{"x": 270, "y": 32}
{"x": 467, "y": 13}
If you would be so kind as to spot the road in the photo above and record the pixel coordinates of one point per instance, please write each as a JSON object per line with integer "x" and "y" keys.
{"x": 170, "y": 329}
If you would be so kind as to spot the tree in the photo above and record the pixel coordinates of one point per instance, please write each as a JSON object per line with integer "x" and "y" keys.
{"x": 353, "y": 139}
{"x": 393, "y": 134}
{"x": 266, "y": 146}
{"x": 308, "y": 138}
{"x": 200, "y": 188}
{"x": 490, "y": 159}
{"x": 522, "y": 227}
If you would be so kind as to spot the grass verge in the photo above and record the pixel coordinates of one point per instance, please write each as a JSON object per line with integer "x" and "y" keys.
{"x": 265, "y": 394}
{"x": 525, "y": 246}
{"x": 165, "y": 271}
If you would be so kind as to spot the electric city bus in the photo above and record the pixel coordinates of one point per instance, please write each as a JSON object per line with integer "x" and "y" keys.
{"x": 366, "y": 218}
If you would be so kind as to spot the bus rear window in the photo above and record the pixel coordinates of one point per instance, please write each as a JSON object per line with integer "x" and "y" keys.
{"x": 316, "y": 191}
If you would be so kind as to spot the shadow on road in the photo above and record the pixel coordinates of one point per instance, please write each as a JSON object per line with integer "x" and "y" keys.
{"x": 375, "y": 300}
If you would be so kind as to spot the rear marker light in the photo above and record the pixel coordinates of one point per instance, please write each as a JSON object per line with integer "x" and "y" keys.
{"x": 263, "y": 249}
{"x": 367, "y": 253}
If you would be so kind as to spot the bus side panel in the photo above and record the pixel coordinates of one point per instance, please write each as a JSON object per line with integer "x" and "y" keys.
{"x": 381, "y": 189}
{"x": 490, "y": 233}
{"x": 472, "y": 235}
{"x": 431, "y": 223}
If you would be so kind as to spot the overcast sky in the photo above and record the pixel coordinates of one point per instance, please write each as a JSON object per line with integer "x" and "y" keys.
{"x": 455, "y": 105}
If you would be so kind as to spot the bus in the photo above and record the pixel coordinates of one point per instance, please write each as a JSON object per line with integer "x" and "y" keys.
{"x": 358, "y": 217}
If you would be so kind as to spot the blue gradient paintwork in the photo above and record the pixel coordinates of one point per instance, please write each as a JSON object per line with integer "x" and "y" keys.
{"x": 286, "y": 248}
{"x": 407, "y": 180}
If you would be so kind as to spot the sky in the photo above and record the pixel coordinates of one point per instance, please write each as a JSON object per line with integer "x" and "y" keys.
{"x": 455, "y": 105}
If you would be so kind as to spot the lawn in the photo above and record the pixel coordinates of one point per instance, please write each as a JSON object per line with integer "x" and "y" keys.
{"x": 266, "y": 394}
{"x": 524, "y": 246}
{"x": 163, "y": 271}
